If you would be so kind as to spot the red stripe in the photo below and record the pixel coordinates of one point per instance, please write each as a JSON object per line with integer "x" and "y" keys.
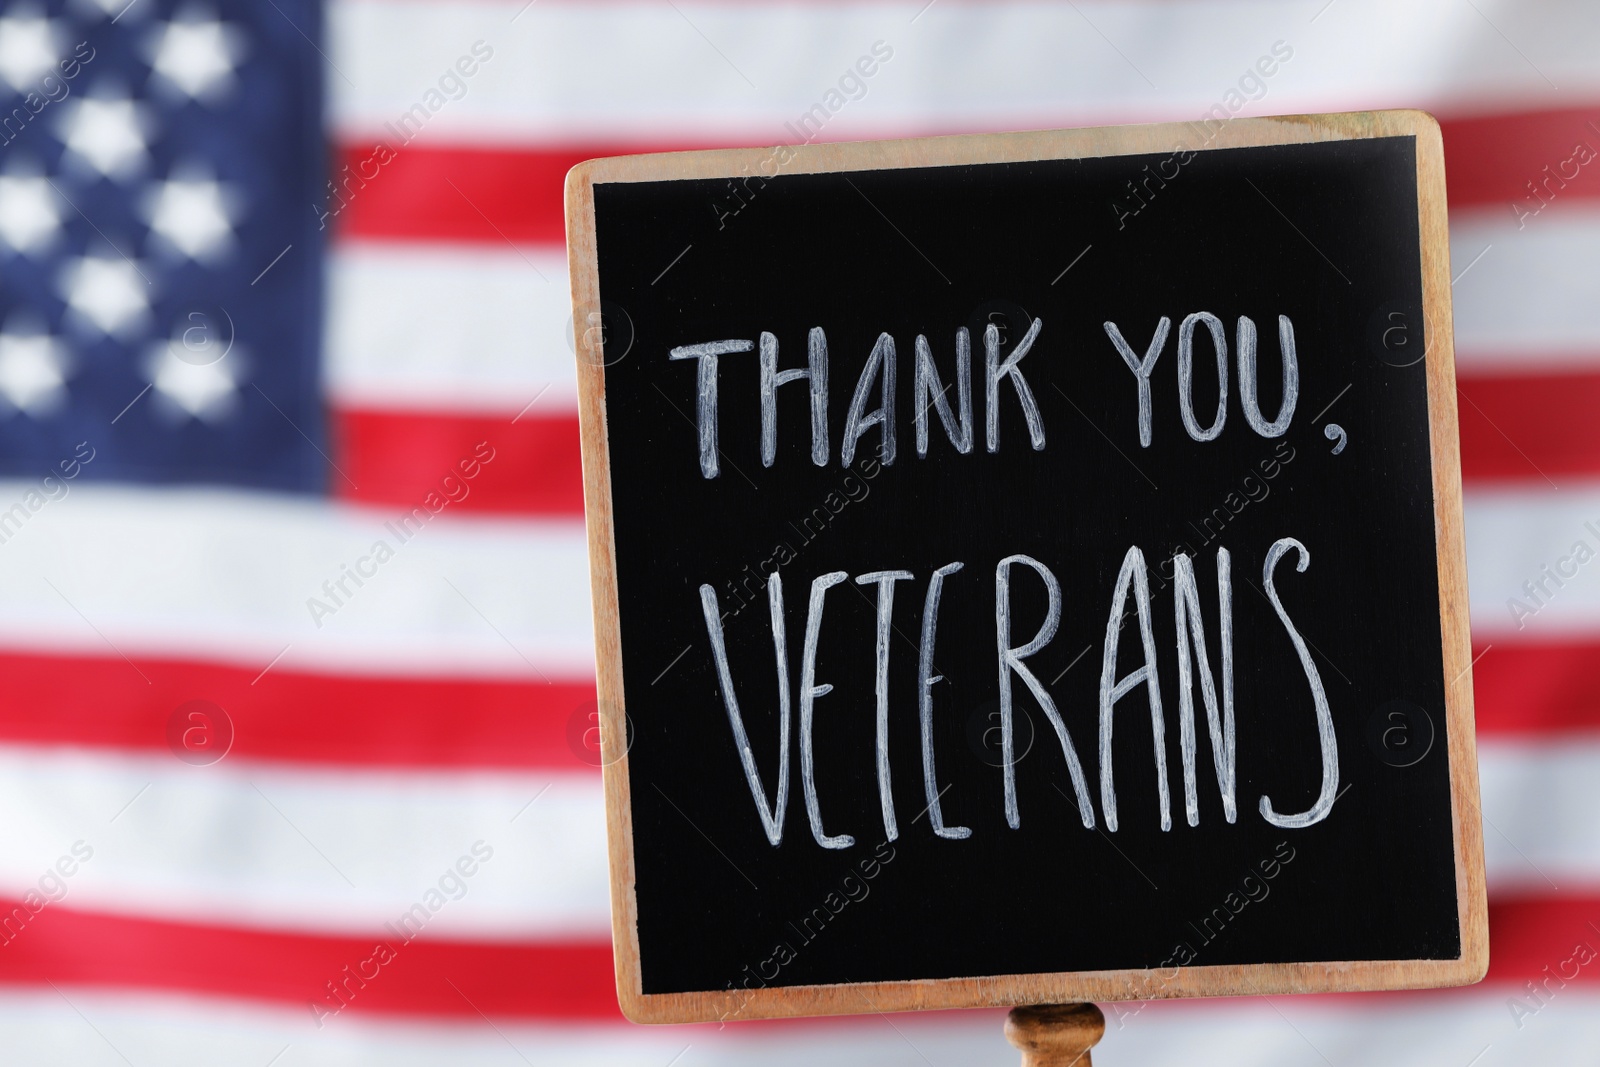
{"x": 515, "y": 194}
{"x": 403, "y": 458}
{"x": 455, "y": 194}
{"x": 399, "y": 722}
{"x": 1526, "y": 935}
{"x": 311, "y": 718}
{"x": 1512, "y": 427}
{"x": 1542, "y": 688}
{"x": 282, "y": 715}
{"x": 464, "y": 194}
{"x": 550, "y": 980}
{"x": 1491, "y": 159}
{"x": 1529, "y": 427}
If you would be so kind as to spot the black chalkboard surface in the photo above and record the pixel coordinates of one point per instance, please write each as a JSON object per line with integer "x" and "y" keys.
{"x": 1028, "y": 568}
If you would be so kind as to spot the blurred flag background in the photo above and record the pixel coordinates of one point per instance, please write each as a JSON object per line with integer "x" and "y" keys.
{"x": 296, "y": 759}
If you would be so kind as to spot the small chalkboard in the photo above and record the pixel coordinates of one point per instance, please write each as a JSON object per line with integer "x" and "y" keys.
{"x": 1028, "y": 568}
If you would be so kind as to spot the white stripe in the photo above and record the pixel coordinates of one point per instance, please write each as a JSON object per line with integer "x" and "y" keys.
{"x": 1471, "y": 1027}
{"x": 1444, "y": 1029}
{"x": 653, "y": 72}
{"x": 1513, "y": 535}
{"x": 39, "y": 1028}
{"x": 229, "y": 574}
{"x": 1528, "y": 304}
{"x": 341, "y": 852}
{"x": 232, "y": 575}
{"x": 441, "y": 328}
{"x": 1539, "y": 800}
{"x": 263, "y": 845}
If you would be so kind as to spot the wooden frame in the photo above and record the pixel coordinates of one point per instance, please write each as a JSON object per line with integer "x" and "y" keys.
{"x": 1068, "y": 986}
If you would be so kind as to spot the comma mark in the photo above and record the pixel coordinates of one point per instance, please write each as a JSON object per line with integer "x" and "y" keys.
{"x": 1334, "y": 432}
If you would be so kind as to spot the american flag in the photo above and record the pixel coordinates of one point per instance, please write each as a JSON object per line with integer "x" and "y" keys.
{"x": 297, "y": 761}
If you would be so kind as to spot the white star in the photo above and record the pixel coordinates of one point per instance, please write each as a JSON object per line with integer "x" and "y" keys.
{"x": 33, "y": 371}
{"x": 196, "y": 55}
{"x": 27, "y": 50}
{"x": 29, "y": 215}
{"x": 107, "y": 133}
{"x": 108, "y": 294}
{"x": 193, "y": 215}
{"x": 188, "y": 390}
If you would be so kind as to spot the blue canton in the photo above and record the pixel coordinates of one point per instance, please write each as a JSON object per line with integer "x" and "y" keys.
{"x": 160, "y": 262}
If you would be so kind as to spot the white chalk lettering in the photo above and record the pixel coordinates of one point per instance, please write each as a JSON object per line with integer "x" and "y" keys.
{"x": 1219, "y": 342}
{"x": 880, "y": 367}
{"x": 809, "y": 691}
{"x": 1011, "y": 661}
{"x": 996, "y": 372}
{"x": 885, "y": 581}
{"x": 1141, "y": 369}
{"x": 1247, "y": 378}
{"x": 1186, "y": 604}
{"x": 925, "y": 682}
{"x": 1325, "y": 737}
{"x": 1135, "y": 574}
{"x": 815, "y": 374}
{"x": 706, "y": 406}
{"x": 925, "y": 381}
{"x": 771, "y": 816}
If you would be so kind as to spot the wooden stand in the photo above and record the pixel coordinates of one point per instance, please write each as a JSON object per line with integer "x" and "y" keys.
{"x": 1055, "y": 1035}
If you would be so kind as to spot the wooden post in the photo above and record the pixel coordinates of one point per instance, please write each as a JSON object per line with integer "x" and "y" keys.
{"x": 1055, "y": 1035}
